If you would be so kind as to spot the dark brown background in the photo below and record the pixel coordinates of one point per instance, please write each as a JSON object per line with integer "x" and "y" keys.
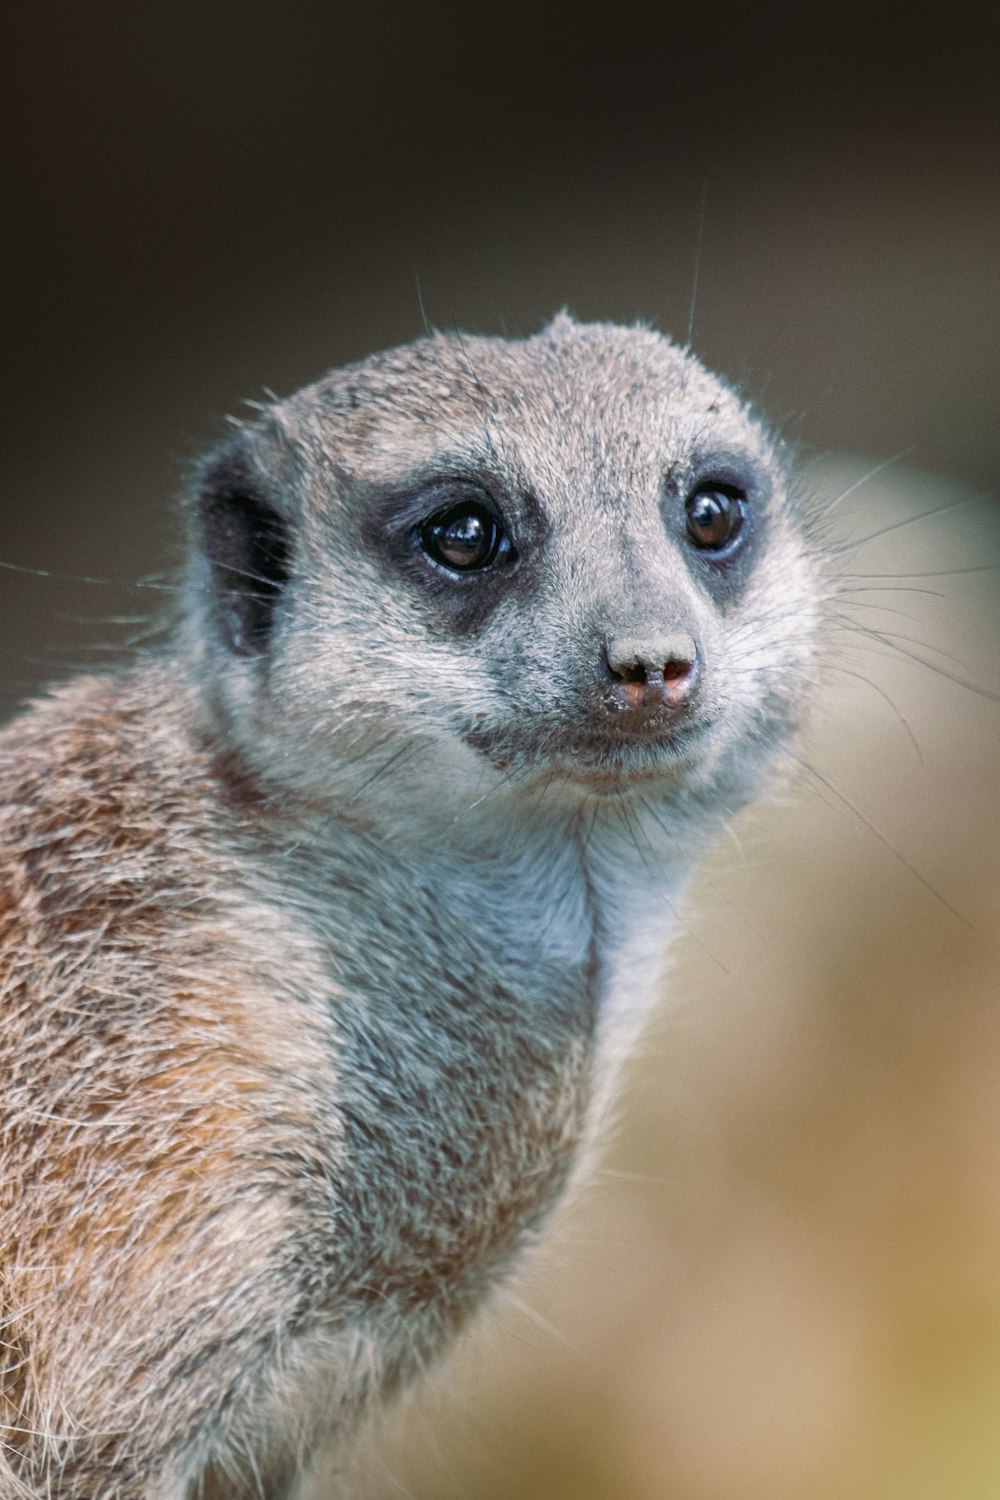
{"x": 204, "y": 199}
{"x": 795, "y": 1289}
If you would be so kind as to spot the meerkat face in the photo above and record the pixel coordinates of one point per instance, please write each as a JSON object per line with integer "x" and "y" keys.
{"x": 572, "y": 560}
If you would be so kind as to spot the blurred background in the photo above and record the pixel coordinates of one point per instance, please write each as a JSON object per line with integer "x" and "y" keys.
{"x": 786, "y": 1281}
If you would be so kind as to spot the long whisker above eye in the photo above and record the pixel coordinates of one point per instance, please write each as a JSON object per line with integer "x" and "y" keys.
{"x": 699, "y": 240}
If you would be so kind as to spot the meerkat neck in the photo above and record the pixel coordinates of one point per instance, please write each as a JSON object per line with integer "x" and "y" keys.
{"x": 538, "y": 880}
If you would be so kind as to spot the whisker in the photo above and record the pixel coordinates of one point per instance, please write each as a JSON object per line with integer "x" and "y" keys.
{"x": 117, "y": 583}
{"x": 888, "y": 588}
{"x": 860, "y": 677}
{"x": 697, "y": 264}
{"x": 885, "y": 609}
{"x": 429, "y": 328}
{"x": 880, "y": 468}
{"x": 940, "y": 510}
{"x": 930, "y": 572}
{"x": 404, "y": 751}
{"x": 892, "y": 642}
{"x": 882, "y": 838}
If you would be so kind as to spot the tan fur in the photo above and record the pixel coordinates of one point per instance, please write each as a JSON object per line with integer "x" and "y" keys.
{"x": 325, "y": 929}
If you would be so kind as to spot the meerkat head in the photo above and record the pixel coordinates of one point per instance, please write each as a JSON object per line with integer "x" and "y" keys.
{"x": 572, "y": 561}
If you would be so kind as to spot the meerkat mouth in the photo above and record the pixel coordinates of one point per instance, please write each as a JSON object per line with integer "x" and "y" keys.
{"x": 600, "y": 760}
{"x": 611, "y": 781}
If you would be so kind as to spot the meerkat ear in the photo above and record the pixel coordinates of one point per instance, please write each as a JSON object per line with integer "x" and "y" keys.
{"x": 245, "y": 541}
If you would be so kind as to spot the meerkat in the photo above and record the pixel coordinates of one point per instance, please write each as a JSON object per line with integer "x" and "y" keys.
{"x": 327, "y": 924}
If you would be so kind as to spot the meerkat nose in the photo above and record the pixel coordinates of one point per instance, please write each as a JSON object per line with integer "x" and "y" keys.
{"x": 658, "y": 672}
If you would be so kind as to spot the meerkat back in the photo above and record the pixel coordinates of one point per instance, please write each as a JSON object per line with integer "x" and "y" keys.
{"x": 326, "y": 926}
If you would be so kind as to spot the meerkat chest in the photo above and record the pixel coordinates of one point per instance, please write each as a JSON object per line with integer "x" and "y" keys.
{"x": 481, "y": 1002}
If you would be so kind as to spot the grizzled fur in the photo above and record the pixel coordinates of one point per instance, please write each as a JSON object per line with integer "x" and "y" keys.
{"x": 325, "y": 928}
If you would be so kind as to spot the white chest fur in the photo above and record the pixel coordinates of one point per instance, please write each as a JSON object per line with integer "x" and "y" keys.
{"x": 598, "y": 885}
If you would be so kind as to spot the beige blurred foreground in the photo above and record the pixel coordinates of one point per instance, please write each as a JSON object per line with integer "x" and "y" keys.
{"x": 786, "y": 1283}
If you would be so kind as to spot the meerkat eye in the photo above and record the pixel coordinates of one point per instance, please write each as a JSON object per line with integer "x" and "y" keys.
{"x": 715, "y": 515}
{"x": 465, "y": 538}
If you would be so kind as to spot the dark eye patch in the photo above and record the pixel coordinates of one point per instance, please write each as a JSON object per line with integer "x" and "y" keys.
{"x": 459, "y": 544}
{"x": 717, "y": 505}
{"x": 247, "y": 545}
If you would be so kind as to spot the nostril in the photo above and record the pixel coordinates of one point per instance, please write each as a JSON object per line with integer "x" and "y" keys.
{"x": 628, "y": 672}
{"x": 650, "y": 676}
